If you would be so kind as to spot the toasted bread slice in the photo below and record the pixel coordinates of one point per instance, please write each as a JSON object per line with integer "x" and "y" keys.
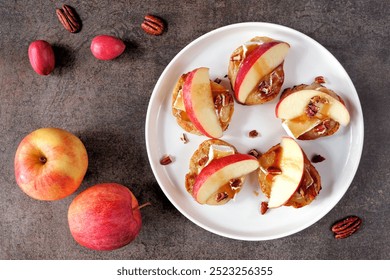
{"x": 308, "y": 189}
{"x": 269, "y": 86}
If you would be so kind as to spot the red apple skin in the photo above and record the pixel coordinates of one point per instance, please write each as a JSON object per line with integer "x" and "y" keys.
{"x": 214, "y": 166}
{"x": 188, "y": 104}
{"x": 106, "y": 47}
{"x": 248, "y": 62}
{"x": 50, "y": 163}
{"x": 41, "y": 56}
{"x": 104, "y": 217}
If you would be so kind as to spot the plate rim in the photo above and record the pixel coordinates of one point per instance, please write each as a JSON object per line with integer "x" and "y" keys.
{"x": 357, "y": 150}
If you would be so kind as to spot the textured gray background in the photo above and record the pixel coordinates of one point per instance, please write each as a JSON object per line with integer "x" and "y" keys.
{"x": 105, "y": 104}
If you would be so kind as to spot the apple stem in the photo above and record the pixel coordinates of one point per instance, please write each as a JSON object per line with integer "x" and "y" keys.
{"x": 43, "y": 159}
{"x": 142, "y": 206}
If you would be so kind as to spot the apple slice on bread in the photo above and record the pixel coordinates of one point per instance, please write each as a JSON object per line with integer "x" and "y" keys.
{"x": 256, "y": 60}
{"x": 217, "y": 172}
{"x": 199, "y": 104}
{"x": 287, "y": 177}
{"x": 309, "y": 112}
{"x": 211, "y": 181}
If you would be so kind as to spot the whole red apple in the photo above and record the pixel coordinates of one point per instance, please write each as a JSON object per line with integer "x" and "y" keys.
{"x": 105, "y": 217}
{"x": 50, "y": 163}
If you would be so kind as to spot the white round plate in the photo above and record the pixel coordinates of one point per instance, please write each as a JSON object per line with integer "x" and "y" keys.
{"x": 241, "y": 219}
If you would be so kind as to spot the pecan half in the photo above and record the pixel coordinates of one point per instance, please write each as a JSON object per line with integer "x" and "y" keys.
{"x": 69, "y": 18}
{"x": 153, "y": 25}
{"x": 346, "y": 227}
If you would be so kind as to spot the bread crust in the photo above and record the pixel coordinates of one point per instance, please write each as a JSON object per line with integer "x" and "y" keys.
{"x": 268, "y": 87}
{"x": 330, "y": 125}
{"x": 223, "y": 102}
{"x": 197, "y": 163}
{"x": 308, "y": 189}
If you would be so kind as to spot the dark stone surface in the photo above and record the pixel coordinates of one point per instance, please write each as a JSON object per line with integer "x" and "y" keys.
{"x": 105, "y": 104}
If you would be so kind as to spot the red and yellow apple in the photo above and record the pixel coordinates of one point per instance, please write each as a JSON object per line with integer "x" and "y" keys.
{"x": 257, "y": 64}
{"x": 292, "y": 110}
{"x": 50, "y": 163}
{"x": 219, "y": 172}
{"x": 105, "y": 217}
{"x": 291, "y": 164}
{"x": 199, "y": 104}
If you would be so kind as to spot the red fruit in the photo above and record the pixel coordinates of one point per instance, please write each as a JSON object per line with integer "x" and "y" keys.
{"x": 106, "y": 47}
{"x": 105, "y": 217}
{"x": 41, "y": 57}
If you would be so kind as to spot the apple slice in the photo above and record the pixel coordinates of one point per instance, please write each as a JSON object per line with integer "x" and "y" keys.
{"x": 291, "y": 164}
{"x": 199, "y": 105}
{"x": 219, "y": 172}
{"x": 293, "y": 107}
{"x": 258, "y": 63}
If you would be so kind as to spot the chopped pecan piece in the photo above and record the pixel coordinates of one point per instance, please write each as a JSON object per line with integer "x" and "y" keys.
{"x": 203, "y": 160}
{"x": 319, "y": 79}
{"x": 311, "y": 109}
{"x": 253, "y": 133}
{"x": 317, "y": 158}
{"x": 254, "y": 153}
{"x": 263, "y": 207}
{"x": 184, "y": 138}
{"x": 165, "y": 160}
{"x": 274, "y": 170}
{"x": 234, "y": 183}
{"x": 221, "y": 196}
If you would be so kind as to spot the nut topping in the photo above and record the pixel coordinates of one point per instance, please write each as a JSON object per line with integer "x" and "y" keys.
{"x": 165, "y": 160}
{"x": 254, "y": 153}
{"x": 221, "y": 196}
{"x": 274, "y": 170}
{"x": 203, "y": 160}
{"x": 184, "y": 138}
{"x": 311, "y": 109}
{"x": 263, "y": 207}
{"x": 217, "y": 80}
{"x": 235, "y": 183}
{"x": 69, "y": 19}
{"x": 346, "y": 227}
{"x": 153, "y": 25}
{"x": 317, "y": 158}
{"x": 319, "y": 79}
{"x": 253, "y": 133}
